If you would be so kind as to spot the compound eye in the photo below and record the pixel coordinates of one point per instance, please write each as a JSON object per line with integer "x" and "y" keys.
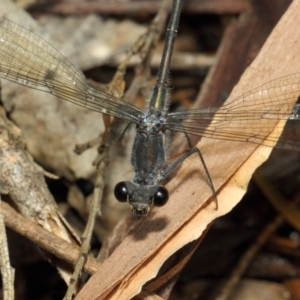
{"x": 161, "y": 196}
{"x": 121, "y": 192}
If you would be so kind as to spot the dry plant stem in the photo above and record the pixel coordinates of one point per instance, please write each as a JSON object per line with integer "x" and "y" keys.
{"x": 148, "y": 40}
{"x": 140, "y": 7}
{"x": 80, "y": 148}
{"x": 7, "y": 272}
{"x": 50, "y": 175}
{"x": 45, "y": 239}
{"x": 87, "y": 235}
{"x": 247, "y": 257}
{"x": 46, "y": 173}
{"x": 101, "y": 162}
{"x": 116, "y": 88}
{"x": 180, "y": 61}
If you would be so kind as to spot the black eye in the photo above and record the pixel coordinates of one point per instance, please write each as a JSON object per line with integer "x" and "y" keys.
{"x": 161, "y": 196}
{"x": 121, "y": 192}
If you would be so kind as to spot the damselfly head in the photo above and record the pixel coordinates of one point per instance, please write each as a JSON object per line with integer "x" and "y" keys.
{"x": 141, "y": 197}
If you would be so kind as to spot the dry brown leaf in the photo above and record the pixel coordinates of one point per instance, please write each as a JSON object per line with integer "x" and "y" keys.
{"x": 191, "y": 206}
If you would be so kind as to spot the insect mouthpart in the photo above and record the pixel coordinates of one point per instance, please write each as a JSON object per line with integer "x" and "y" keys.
{"x": 140, "y": 210}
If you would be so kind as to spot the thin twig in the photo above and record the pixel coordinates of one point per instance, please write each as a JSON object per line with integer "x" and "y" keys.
{"x": 87, "y": 235}
{"x": 139, "y": 7}
{"x": 7, "y": 272}
{"x": 180, "y": 61}
{"x": 45, "y": 239}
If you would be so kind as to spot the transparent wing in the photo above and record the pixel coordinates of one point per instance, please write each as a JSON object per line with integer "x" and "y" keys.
{"x": 251, "y": 117}
{"x": 27, "y": 59}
